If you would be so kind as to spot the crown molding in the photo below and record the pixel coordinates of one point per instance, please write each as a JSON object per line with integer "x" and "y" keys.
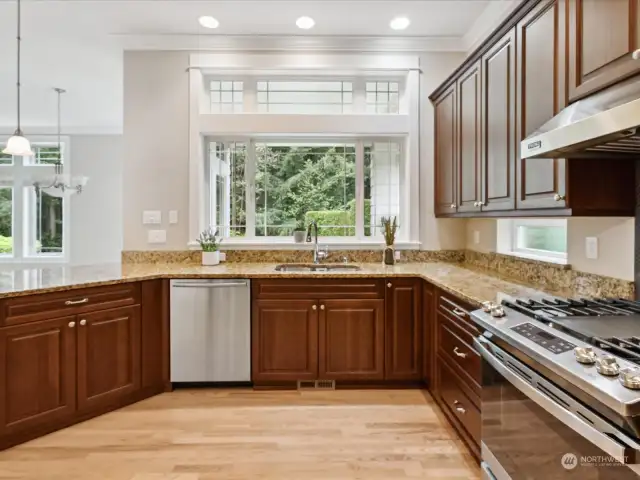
{"x": 487, "y": 22}
{"x": 294, "y": 43}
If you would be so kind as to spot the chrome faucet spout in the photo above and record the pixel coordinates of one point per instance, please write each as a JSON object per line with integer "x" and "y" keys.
{"x": 318, "y": 254}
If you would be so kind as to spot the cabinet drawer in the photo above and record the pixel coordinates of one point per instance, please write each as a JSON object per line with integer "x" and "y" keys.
{"x": 458, "y": 401}
{"x": 318, "y": 288}
{"x": 72, "y": 302}
{"x": 455, "y": 344}
{"x": 457, "y": 311}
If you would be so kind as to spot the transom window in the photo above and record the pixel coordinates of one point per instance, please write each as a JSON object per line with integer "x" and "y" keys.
{"x": 382, "y": 97}
{"x": 305, "y": 97}
{"x": 226, "y": 96}
{"x": 268, "y": 188}
{"x": 32, "y": 223}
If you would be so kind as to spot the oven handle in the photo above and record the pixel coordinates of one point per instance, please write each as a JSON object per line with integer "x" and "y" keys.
{"x": 622, "y": 453}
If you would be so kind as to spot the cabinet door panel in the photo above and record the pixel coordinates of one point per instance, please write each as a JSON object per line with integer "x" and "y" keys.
{"x": 284, "y": 343}
{"x": 498, "y": 125}
{"x": 469, "y": 185}
{"x": 403, "y": 341}
{"x": 445, "y": 152}
{"x": 108, "y": 357}
{"x": 351, "y": 339}
{"x": 38, "y": 363}
{"x": 603, "y": 34}
{"x": 540, "y": 95}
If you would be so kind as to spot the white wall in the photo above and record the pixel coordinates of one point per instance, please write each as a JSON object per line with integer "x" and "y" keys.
{"x": 96, "y": 214}
{"x": 615, "y": 244}
{"x": 156, "y": 146}
{"x": 435, "y": 234}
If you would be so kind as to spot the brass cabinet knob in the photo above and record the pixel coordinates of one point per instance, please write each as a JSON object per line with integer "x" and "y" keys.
{"x": 321, "y": 307}
{"x": 83, "y": 322}
{"x": 453, "y": 205}
{"x": 389, "y": 285}
{"x": 72, "y": 324}
{"x": 315, "y": 307}
{"x": 481, "y": 204}
{"x": 558, "y": 197}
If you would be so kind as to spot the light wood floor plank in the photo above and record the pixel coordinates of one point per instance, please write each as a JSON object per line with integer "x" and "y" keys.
{"x": 243, "y": 434}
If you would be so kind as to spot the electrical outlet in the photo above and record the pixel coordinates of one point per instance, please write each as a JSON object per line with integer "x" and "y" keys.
{"x": 476, "y": 237}
{"x": 157, "y": 236}
{"x": 591, "y": 247}
{"x": 397, "y": 254}
{"x": 223, "y": 257}
{"x": 173, "y": 217}
{"x": 152, "y": 217}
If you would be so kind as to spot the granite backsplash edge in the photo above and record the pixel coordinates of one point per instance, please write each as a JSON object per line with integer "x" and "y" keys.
{"x": 531, "y": 272}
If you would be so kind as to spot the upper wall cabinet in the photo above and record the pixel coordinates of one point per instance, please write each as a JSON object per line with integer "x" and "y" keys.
{"x": 504, "y": 92}
{"x": 541, "y": 94}
{"x": 603, "y": 34}
{"x": 445, "y": 151}
{"x": 469, "y": 135}
{"x": 498, "y": 125}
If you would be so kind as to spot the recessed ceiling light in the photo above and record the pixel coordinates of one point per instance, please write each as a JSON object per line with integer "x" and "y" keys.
{"x": 305, "y": 23}
{"x": 399, "y": 23}
{"x": 208, "y": 22}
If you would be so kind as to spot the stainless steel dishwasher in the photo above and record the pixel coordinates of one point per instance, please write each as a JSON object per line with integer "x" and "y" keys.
{"x": 210, "y": 330}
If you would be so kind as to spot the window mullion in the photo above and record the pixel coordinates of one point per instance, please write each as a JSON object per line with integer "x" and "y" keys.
{"x": 359, "y": 189}
{"x": 250, "y": 181}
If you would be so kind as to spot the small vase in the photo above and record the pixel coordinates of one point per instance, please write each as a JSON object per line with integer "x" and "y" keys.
{"x": 298, "y": 236}
{"x": 389, "y": 255}
{"x": 211, "y": 258}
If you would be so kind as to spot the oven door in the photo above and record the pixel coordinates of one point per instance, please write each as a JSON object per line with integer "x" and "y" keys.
{"x": 531, "y": 429}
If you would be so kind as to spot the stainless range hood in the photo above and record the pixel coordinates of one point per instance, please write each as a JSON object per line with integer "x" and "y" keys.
{"x": 606, "y": 123}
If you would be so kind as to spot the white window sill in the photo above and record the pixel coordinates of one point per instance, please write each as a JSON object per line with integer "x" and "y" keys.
{"x": 539, "y": 258}
{"x": 289, "y": 244}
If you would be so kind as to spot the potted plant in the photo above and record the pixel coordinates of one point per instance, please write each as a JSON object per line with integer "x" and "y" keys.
{"x": 299, "y": 232}
{"x": 210, "y": 245}
{"x": 389, "y": 226}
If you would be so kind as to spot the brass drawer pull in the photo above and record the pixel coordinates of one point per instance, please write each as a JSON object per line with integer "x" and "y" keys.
{"x": 459, "y": 313}
{"x": 76, "y": 302}
{"x": 459, "y": 353}
{"x": 459, "y": 407}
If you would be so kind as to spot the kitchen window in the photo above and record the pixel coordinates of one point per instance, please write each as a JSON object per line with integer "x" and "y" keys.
{"x": 265, "y": 188}
{"x": 33, "y": 225}
{"x": 537, "y": 239}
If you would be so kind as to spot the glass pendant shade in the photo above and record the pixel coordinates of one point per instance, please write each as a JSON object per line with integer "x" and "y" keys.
{"x": 18, "y": 145}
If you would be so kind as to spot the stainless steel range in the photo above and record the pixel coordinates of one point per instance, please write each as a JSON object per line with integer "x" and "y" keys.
{"x": 561, "y": 388}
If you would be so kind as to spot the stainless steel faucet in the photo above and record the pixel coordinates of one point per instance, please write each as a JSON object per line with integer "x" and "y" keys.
{"x": 318, "y": 253}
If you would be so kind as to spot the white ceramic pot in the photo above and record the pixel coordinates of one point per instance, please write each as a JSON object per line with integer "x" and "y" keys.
{"x": 211, "y": 258}
{"x": 298, "y": 236}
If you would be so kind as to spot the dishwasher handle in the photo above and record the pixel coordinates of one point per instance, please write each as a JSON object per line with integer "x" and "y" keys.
{"x": 210, "y": 285}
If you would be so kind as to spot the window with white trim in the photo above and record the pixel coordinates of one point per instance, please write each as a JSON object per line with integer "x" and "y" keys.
{"x": 538, "y": 239}
{"x": 268, "y": 188}
{"x": 33, "y": 225}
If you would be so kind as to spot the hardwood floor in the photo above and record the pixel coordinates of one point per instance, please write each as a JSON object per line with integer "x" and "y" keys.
{"x": 244, "y": 434}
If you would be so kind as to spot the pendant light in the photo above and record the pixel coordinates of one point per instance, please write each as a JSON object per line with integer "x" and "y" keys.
{"x": 18, "y": 144}
{"x": 62, "y": 184}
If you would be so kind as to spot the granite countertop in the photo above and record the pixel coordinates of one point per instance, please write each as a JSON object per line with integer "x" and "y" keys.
{"x": 474, "y": 286}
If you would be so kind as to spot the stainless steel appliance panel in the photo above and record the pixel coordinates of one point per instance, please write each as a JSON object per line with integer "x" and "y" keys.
{"x": 210, "y": 330}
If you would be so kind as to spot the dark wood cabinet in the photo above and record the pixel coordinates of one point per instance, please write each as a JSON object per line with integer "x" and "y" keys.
{"x": 108, "y": 357}
{"x": 541, "y": 94}
{"x": 351, "y": 340}
{"x": 445, "y": 151}
{"x": 284, "y": 340}
{"x": 603, "y": 34}
{"x": 38, "y": 375}
{"x": 498, "y": 125}
{"x": 469, "y": 184}
{"x": 403, "y": 348}
{"x": 428, "y": 333}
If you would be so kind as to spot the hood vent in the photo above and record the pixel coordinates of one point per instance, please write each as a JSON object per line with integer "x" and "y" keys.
{"x": 607, "y": 122}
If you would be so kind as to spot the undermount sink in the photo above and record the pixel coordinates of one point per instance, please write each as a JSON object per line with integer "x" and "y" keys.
{"x": 317, "y": 267}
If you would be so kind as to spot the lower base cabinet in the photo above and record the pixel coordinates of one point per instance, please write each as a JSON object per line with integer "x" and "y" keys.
{"x": 351, "y": 340}
{"x": 58, "y": 371}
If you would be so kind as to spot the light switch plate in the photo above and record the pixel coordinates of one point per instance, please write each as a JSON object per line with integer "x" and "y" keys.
{"x": 591, "y": 247}
{"x": 157, "y": 236}
{"x": 173, "y": 217}
{"x": 152, "y": 217}
{"x": 476, "y": 237}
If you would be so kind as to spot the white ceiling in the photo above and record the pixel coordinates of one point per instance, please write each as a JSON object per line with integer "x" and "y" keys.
{"x": 78, "y": 44}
